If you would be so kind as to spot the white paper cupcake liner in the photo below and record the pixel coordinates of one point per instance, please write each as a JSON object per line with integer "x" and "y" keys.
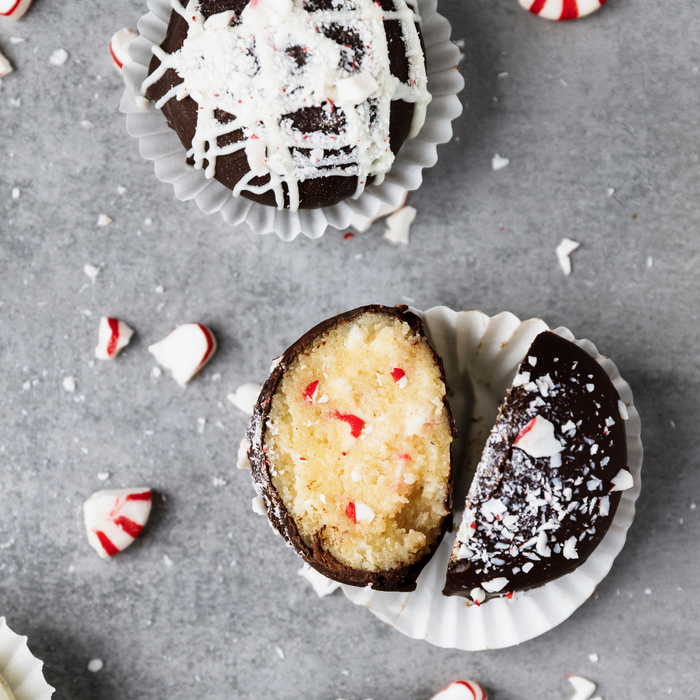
{"x": 20, "y": 669}
{"x": 160, "y": 144}
{"x": 489, "y": 351}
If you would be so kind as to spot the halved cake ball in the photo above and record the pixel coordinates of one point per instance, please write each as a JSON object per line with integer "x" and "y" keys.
{"x": 296, "y": 104}
{"x": 350, "y": 448}
{"x": 549, "y": 480}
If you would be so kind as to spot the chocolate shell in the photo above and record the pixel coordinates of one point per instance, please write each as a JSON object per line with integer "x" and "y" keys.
{"x": 182, "y": 114}
{"x": 543, "y": 495}
{"x": 401, "y": 578}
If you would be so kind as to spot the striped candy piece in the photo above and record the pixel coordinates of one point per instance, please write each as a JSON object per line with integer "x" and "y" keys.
{"x": 112, "y": 336}
{"x": 461, "y": 690}
{"x": 5, "y": 66}
{"x": 562, "y": 9}
{"x": 119, "y": 47}
{"x": 185, "y": 351}
{"x": 14, "y": 9}
{"x": 114, "y": 519}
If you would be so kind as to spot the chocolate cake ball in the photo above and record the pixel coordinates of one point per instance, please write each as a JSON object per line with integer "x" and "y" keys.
{"x": 549, "y": 480}
{"x": 291, "y": 103}
{"x": 350, "y": 448}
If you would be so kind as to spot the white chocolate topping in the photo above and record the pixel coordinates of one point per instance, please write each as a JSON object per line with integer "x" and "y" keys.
{"x": 246, "y": 67}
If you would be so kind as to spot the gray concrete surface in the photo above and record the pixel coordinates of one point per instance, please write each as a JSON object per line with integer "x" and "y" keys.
{"x": 609, "y": 102}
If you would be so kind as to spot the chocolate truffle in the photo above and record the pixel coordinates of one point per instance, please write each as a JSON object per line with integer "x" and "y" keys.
{"x": 292, "y": 103}
{"x": 350, "y": 448}
{"x": 548, "y": 483}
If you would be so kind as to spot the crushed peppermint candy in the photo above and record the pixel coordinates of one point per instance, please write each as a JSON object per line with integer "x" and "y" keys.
{"x": 461, "y": 690}
{"x": 245, "y": 397}
{"x": 563, "y": 251}
{"x": 622, "y": 408}
{"x": 498, "y": 162}
{"x": 495, "y": 585}
{"x": 398, "y": 225}
{"x": 478, "y": 595}
{"x": 258, "y": 505}
{"x": 583, "y": 688}
{"x": 58, "y": 57}
{"x": 622, "y": 481}
{"x": 537, "y": 438}
{"x": 242, "y": 461}
{"x": 560, "y": 449}
{"x": 399, "y": 377}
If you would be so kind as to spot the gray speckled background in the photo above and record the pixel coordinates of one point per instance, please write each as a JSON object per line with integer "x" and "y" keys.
{"x": 610, "y": 101}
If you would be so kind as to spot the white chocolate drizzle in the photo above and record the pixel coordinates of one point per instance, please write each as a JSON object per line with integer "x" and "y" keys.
{"x": 245, "y": 67}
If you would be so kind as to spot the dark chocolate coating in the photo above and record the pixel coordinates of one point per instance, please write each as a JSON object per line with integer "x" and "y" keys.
{"x": 507, "y": 473}
{"x": 181, "y": 116}
{"x": 399, "y": 579}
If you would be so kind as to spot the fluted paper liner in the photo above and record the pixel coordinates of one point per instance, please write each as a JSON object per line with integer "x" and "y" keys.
{"x": 489, "y": 351}
{"x": 160, "y": 144}
{"x": 20, "y": 669}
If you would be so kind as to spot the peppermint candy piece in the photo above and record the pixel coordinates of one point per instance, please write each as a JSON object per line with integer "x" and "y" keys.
{"x": 461, "y": 690}
{"x": 119, "y": 47}
{"x": 622, "y": 481}
{"x": 185, "y": 351}
{"x": 14, "y": 9}
{"x": 114, "y": 519}
{"x": 362, "y": 223}
{"x": 537, "y": 439}
{"x": 583, "y": 688}
{"x": 112, "y": 336}
{"x": 5, "y": 68}
{"x": 562, "y": 9}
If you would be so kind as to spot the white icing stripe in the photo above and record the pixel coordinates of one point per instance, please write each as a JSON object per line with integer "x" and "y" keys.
{"x": 248, "y": 69}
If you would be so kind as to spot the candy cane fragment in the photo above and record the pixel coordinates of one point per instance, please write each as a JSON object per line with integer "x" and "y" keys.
{"x": 112, "y": 336}
{"x": 5, "y": 66}
{"x": 14, "y": 9}
{"x": 461, "y": 690}
{"x": 562, "y": 9}
{"x": 114, "y": 519}
{"x": 185, "y": 351}
{"x": 119, "y": 47}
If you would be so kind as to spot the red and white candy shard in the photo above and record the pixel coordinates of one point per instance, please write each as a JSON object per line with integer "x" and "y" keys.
{"x": 119, "y": 47}
{"x": 362, "y": 223}
{"x": 562, "y": 9}
{"x": 14, "y": 9}
{"x": 537, "y": 439}
{"x": 622, "y": 481}
{"x": 5, "y": 66}
{"x": 185, "y": 351}
{"x": 461, "y": 690}
{"x": 112, "y": 336}
{"x": 245, "y": 397}
{"x": 583, "y": 688}
{"x": 114, "y": 519}
{"x": 398, "y": 225}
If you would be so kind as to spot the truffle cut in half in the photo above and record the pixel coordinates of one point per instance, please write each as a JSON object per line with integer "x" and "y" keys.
{"x": 350, "y": 448}
{"x": 549, "y": 480}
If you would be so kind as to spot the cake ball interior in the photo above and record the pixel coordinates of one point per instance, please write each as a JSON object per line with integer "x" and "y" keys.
{"x": 358, "y": 443}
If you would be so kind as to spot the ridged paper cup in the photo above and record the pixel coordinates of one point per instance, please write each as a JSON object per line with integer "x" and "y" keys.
{"x": 159, "y": 143}
{"x": 481, "y": 357}
{"x": 20, "y": 669}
